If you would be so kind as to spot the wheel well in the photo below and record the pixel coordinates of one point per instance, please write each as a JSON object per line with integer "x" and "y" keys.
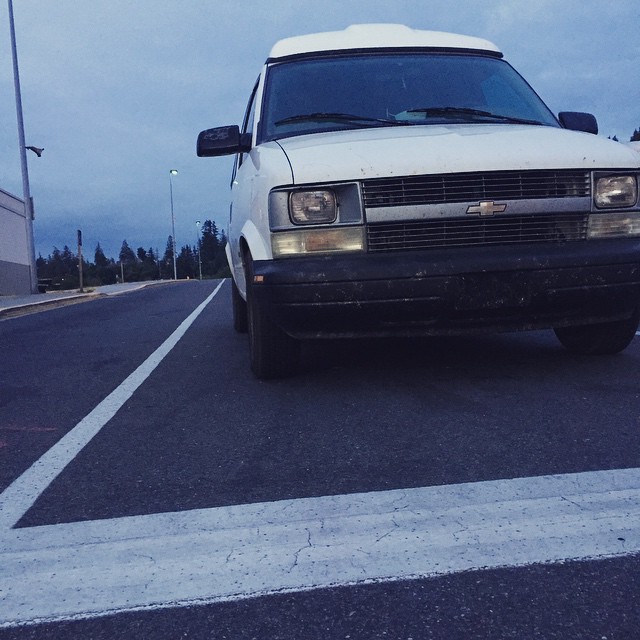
{"x": 245, "y": 253}
{"x": 245, "y": 257}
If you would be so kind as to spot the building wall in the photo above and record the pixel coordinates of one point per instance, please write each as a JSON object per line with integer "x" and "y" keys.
{"x": 14, "y": 254}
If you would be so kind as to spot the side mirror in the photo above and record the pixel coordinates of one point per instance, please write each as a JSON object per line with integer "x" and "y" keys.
{"x": 578, "y": 121}
{"x": 222, "y": 141}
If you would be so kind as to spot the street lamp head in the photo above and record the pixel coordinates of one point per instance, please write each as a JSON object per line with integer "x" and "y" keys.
{"x": 173, "y": 172}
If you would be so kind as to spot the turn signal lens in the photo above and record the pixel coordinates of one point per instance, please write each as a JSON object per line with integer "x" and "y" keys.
{"x": 614, "y": 225}
{"x": 295, "y": 243}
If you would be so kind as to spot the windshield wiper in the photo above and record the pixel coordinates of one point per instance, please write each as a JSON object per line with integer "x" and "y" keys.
{"x": 464, "y": 111}
{"x": 338, "y": 117}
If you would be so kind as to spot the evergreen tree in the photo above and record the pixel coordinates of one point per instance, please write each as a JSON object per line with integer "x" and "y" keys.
{"x": 212, "y": 251}
{"x": 209, "y": 244}
{"x": 56, "y": 266}
{"x": 42, "y": 267}
{"x": 103, "y": 271}
{"x": 99, "y": 258}
{"x": 636, "y": 136}
{"x": 148, "y": 267}
{"x": 187, "y": 263}
{"x": 166, "y": 267}
{"x": 69, "y": 259}
{"x": 127, "y": 256}
{"x": 128, "y": 263}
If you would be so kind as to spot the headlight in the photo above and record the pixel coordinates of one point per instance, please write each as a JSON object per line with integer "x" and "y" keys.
{"x": 312, "y": 207}
{"x": 301, "y": 242}
{"x": 315, "y": 205}
{"x": 616, "y": 191}
{"x": 614, "y": 225}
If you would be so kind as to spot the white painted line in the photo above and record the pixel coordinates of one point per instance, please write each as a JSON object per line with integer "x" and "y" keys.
{"x": 80, "y": 570}
{"x": 19, "y": 496}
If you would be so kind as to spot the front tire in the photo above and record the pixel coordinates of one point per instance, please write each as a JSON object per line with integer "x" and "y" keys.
{"x": 273, "y": 353}
{"x": 606, "y": 338}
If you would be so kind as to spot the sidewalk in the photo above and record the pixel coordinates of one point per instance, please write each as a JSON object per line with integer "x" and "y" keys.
{"x": 8, "y": 303}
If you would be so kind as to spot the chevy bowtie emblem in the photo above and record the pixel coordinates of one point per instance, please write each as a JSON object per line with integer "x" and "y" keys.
{"x": 486, "y": 208}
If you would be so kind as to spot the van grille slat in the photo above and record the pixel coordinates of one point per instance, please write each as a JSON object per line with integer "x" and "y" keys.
{"x": 471, "y": 187}
{"x": 464, "y": 232}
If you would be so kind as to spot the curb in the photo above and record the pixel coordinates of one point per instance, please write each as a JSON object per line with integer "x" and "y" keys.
{"x": 20, "y": 308}
{"x": 62, "y": 299}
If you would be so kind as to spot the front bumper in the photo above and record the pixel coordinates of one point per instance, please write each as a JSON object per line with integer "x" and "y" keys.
{"x": 451, "y": 291}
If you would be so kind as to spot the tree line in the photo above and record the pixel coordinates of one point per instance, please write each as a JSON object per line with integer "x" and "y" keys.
{"x": 635, "y": 136}
{"x": 60, "y": 269}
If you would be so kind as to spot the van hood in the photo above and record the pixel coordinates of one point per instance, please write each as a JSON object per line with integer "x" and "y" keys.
{"x": 416, "y": 150}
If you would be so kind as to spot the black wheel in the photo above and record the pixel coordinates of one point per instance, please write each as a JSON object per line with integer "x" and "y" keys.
{"x": 273, "y": 353}
{"x": 240, "y": 320}
{"x": 599, "y": 339}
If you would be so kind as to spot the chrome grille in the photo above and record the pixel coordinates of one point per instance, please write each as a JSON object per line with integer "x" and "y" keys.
{"x": 474, "y": 232}
{"x": 474, "y": 187}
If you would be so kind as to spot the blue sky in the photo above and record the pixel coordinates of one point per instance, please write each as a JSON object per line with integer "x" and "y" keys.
{"x": 116, "y": 92}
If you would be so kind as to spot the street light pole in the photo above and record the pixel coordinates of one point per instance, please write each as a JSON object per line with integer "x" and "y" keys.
{"x": 173, "y": 172}
{"x": 28, "y": 203}
{"x": 199, "y": 249}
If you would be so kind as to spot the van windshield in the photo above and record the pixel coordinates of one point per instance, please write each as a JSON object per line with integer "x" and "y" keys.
{"x": 401, "y": 89}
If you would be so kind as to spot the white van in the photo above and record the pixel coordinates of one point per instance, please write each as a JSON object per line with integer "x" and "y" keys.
{"x": 390, "y": 181}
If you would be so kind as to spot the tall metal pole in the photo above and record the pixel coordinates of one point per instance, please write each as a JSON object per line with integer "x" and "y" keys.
{"x": 199, "y": 246}
{"x": 28, "y": 203}
{"x": 80, "y": 263}
{"x": 173, "y": 172}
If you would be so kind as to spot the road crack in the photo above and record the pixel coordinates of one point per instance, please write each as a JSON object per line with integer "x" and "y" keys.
{"x": 296, "y": 555}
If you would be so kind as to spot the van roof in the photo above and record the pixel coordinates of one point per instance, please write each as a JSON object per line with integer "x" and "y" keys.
{"x": 377, "y": 36}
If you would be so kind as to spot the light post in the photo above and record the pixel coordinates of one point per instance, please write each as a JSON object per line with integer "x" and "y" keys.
{"x": 28, "y": 203}
{"x": 199, "y": 246}
{"x": 173, "y": 172}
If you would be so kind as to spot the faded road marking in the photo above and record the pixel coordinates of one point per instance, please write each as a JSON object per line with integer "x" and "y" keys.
{"x": 80, "y": 570}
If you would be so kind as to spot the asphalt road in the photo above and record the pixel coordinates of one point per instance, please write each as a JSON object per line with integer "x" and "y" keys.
{"x": 201, "y": 435}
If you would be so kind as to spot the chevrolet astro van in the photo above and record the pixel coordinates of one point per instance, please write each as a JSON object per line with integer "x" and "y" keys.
{"x": 389, "y": 181}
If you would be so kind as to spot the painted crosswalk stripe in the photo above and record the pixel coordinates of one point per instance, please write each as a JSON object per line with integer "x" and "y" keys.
{"x": 80, "y": 570}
